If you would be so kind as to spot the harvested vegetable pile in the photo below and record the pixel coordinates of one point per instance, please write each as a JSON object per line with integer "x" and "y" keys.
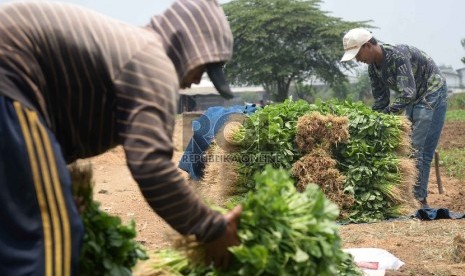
{"x": 369, "y": 173}
{"x": 359, "y": 159}
{"x": 108, "y": 246}
{"x": 283, "y": 232}
{"x": 376, "y": 161}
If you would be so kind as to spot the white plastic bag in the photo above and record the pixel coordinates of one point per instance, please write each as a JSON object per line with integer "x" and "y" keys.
{"x": 374, "y": 261}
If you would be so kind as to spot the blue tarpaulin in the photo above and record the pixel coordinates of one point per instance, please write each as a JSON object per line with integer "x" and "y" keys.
{"x": 440, "y": 213}
{"x": 205, "y": 129}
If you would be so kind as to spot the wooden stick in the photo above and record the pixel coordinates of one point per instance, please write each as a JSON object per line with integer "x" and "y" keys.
{"x": 438, "y": 174}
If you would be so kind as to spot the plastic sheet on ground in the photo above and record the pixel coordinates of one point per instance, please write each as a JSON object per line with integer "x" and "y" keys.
{"x": 205, "y": 128}
{"x": 439, "y": 213}
{"x": 374, "y": 261}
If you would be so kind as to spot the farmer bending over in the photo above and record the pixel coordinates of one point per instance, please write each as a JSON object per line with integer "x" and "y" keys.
{"x": 420, "y": 88}
{"x": 75, "y": 83}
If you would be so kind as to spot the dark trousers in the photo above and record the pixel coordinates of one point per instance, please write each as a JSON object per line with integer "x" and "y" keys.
{"x": 40, "y": 228}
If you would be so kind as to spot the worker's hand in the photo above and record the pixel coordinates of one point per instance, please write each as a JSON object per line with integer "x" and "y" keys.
{"x": 216, "y": 251}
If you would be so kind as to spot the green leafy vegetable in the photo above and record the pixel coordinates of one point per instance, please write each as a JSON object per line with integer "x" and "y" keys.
{"x": 284, "y": 232}
{"x": 108, "y": 246}
{"x": 370, "y": 160}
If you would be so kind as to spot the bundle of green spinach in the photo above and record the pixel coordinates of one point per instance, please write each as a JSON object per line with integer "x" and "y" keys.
{"x": 109, "y": 246}
{"x": 283, "y": 232}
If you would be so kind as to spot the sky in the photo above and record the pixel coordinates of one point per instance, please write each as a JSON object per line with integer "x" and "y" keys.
{"x": 435, "y": 27}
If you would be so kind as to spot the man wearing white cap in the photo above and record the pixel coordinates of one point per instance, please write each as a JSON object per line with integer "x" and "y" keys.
{"x": 420, "y": 88}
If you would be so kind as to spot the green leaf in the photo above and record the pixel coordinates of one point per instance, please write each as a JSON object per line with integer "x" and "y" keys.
{"x": 300, "y": 256}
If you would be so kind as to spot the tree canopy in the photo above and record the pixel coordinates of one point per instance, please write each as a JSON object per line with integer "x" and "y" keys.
{"x": 277, "y": 42}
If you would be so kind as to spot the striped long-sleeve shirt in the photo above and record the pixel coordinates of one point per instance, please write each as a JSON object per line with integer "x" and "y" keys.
{"x": 98, "y": 82}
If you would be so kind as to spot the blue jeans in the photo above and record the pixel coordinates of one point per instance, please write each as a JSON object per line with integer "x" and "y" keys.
{"x": 427, "y": 119}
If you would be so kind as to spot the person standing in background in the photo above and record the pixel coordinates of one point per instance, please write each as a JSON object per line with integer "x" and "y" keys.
{"x": 421, "y": 92}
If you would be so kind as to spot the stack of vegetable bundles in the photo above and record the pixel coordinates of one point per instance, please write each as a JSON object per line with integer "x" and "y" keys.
{"x": 375, "y": 164}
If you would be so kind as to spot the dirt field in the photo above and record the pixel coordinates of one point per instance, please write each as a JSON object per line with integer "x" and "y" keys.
{"x": 427, "y": 247}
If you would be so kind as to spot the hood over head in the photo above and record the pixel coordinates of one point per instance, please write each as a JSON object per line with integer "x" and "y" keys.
{"x": 194, "y": 33}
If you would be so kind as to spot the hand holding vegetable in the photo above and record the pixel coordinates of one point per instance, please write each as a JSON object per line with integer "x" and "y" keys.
{"x": 216, "y": 251}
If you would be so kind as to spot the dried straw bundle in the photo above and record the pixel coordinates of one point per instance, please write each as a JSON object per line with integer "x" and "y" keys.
{"x": 405, "y": 145}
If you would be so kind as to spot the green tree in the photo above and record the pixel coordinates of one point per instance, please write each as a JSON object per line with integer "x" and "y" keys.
{"x": 362, "y": 87}
{"x": 305, "y": 91}
{"x": 358, "y": 90}
{"x": 278, "y": 42}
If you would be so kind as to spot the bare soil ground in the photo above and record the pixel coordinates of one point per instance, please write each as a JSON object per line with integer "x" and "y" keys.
{"x": 426, "y": 247}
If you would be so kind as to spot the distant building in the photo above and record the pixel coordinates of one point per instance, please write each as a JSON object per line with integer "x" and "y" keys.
{"x": 204, "y": 95}
{"x": 455, "y": 78}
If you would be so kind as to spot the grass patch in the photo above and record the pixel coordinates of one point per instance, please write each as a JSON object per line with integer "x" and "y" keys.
{"x": 455, "y": 115}
{"x": 452, "y": 160}
{"x": 456, "y": 101}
